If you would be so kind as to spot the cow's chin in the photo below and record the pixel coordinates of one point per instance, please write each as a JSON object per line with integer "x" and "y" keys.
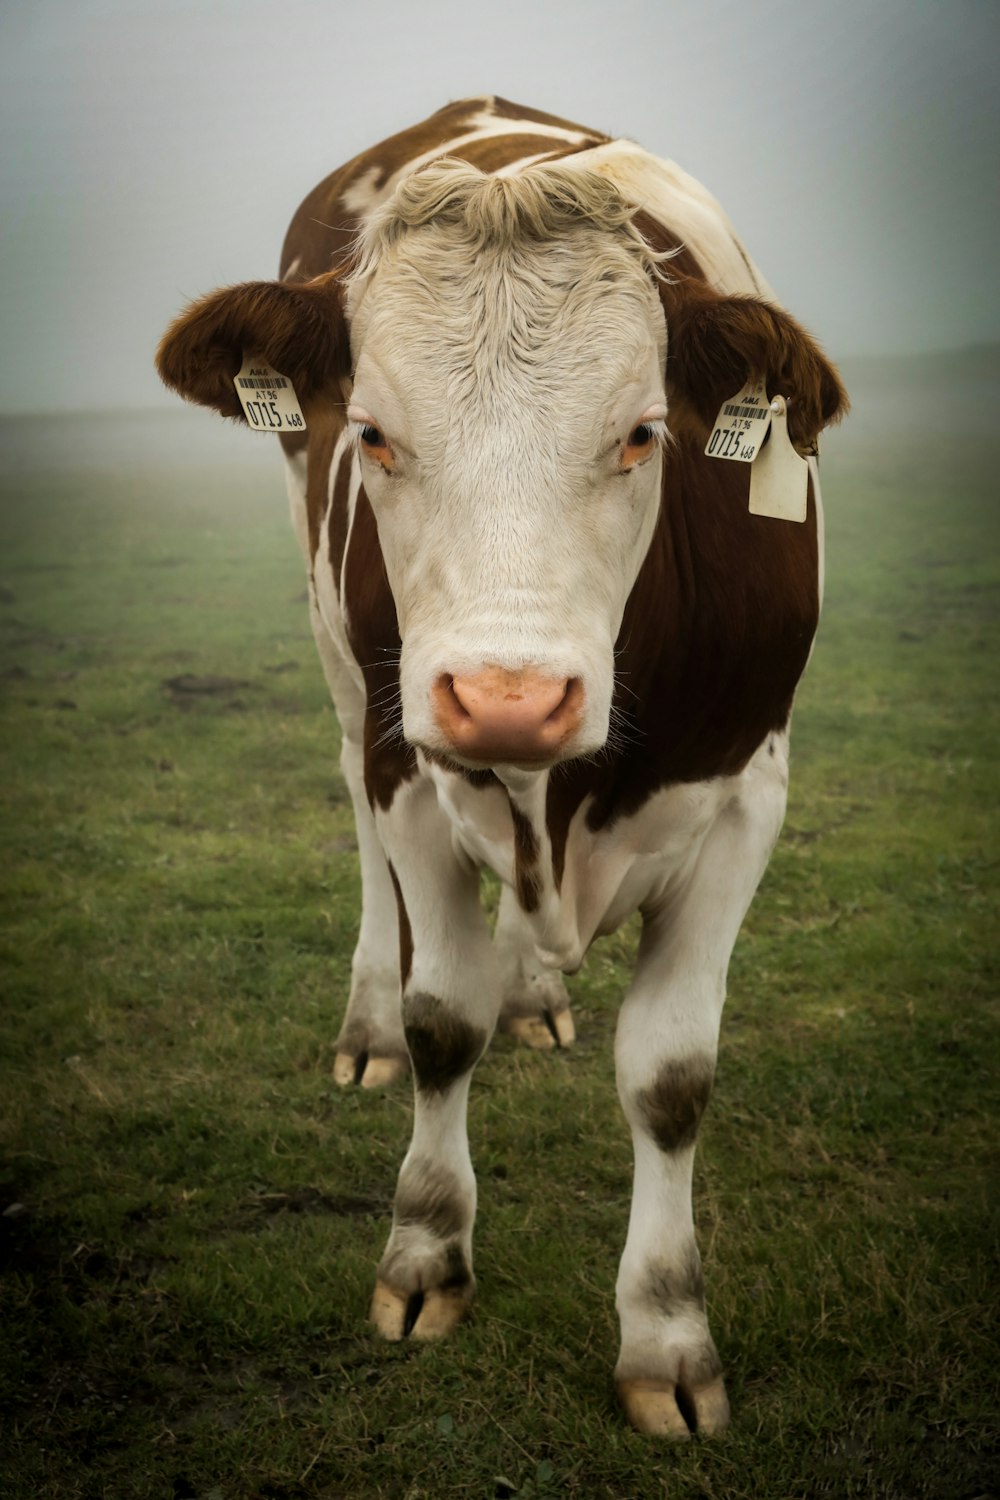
{"x": 503, "y": 768}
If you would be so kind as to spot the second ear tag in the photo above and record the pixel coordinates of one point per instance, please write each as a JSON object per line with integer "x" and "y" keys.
{"x": 779, "y": 478}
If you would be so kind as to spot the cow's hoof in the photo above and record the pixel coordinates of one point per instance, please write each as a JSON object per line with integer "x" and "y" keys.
{"x": 369, "y": 1071}
{"x": 541, "y": 1032}
{"x": 651, "y": 1407}
{"x": 426, "y": 1315}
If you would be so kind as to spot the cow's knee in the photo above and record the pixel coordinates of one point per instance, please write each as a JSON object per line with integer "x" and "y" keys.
{"x": 443, "y": 1045}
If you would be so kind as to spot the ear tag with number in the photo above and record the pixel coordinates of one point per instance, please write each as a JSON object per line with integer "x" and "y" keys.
{"x": 779, "y": 480}
{"x": 742, "y": 424}
{"x": 268, "y": 399}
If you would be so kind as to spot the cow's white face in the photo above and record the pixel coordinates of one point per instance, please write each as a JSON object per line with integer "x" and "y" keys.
{"x": 509, "y": 409}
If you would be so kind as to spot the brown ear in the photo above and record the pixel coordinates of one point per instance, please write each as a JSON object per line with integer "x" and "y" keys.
{"x": 715, "y": 343}
{"x": 299, "y": 330}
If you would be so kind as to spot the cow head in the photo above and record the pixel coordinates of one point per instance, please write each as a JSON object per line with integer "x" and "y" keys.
{"x": 511, "y": 399}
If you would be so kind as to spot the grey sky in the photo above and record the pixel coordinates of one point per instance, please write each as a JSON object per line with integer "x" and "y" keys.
{"x": 153, "y": 151}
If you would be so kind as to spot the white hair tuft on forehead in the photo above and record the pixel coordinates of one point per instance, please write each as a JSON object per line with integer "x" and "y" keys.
{"x": 540, "y": 203}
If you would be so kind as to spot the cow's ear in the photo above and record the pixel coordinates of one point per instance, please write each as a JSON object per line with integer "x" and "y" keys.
{"x": 715, "y": 343}
{"x": 299, "y": 330}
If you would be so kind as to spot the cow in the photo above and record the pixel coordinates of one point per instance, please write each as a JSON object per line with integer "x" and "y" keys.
{"x": 562, "y": 640}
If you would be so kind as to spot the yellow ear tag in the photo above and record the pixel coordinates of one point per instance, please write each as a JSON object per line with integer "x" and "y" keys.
{"x": 779, "y": 479}
{"x": 742, "y": 424}
{"x": 268, "y": 399}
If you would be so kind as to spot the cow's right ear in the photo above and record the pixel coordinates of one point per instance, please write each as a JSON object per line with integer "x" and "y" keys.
{"x": 299, "y": 330}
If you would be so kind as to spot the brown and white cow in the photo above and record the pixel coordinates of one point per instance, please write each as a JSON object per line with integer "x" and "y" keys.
{"x": 559, "y": 643}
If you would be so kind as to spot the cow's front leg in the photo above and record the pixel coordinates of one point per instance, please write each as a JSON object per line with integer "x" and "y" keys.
{"x": 450, "y": 1002}
{"x": 669, "y": 1376}
{"x": 370, "y": 1048}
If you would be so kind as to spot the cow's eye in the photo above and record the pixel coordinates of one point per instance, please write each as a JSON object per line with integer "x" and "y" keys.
{"x": 375, "y": 444}
{"x": 638, "y": 445}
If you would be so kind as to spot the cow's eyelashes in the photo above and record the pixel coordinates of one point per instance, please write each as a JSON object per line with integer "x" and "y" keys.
{"x": 376, "y": 445}
{"x": 640, "y": 443}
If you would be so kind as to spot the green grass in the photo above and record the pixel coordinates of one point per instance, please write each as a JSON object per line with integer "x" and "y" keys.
{"x": 186, "y": 1277}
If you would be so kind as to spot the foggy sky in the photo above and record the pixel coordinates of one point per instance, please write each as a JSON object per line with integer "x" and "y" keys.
{"x": 153, "y": 151}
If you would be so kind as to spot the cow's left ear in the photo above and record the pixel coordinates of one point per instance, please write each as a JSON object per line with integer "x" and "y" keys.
{"x": 715, "y": 343}
{"x": 299, "y": 330}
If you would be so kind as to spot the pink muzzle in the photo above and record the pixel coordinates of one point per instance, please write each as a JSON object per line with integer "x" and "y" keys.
{"x": 497, "y": 716}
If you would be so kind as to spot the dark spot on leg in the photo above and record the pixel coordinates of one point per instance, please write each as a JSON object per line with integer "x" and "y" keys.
{"x": 674, "y": 1287}
{"x": 430, "y": 1200}
{"x": 429, "y": 1195}
{"x": 443, "y": 1046}
{"x": 457, "y": 1275}
{"x": 674, "y": 1102}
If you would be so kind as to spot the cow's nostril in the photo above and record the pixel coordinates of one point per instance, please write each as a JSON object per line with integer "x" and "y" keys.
{"x": 570, "y": 702}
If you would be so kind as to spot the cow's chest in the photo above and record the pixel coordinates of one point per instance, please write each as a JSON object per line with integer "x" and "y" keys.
{"x": 607, "y": 873}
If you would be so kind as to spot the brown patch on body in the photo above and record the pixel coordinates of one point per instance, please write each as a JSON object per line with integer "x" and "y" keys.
{"x": 477, "y": 779}
{"x": 675, "y": 1101}
{"x": 374, "y": 637}
{"x": 338, "y": 516}
{"x": 503, "y": 109}
{"x": 527, "y": 884}
{"x": 323, "y": 231}
{"x": 325, "y": 422}
{"x": 293, "y": 442}
{"x": 405, "y": 932}
{"x": 497, "y": 151}
{"x": 443, "y": 1045}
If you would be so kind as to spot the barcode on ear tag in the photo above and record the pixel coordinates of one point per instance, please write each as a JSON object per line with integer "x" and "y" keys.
{"x": 742, "y": 424}
{"x": 779, "y": 480}
{"x": 268, "y": 399}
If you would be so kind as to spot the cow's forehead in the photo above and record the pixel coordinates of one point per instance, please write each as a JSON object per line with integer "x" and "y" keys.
{"x": 561, "y": 324}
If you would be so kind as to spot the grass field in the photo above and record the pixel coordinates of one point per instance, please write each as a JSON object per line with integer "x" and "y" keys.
{"x": 192, "y": 1211}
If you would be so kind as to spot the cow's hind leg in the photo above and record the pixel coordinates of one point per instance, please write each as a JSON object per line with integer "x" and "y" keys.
{"x": 534, "y": 1004}
{"x": 668, "y": 1375}
{"x": 450, "y": 1001}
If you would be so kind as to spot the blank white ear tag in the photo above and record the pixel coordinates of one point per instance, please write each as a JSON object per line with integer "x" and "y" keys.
{"x": 268, "y": 399}
{"x": 779, "y": 478}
